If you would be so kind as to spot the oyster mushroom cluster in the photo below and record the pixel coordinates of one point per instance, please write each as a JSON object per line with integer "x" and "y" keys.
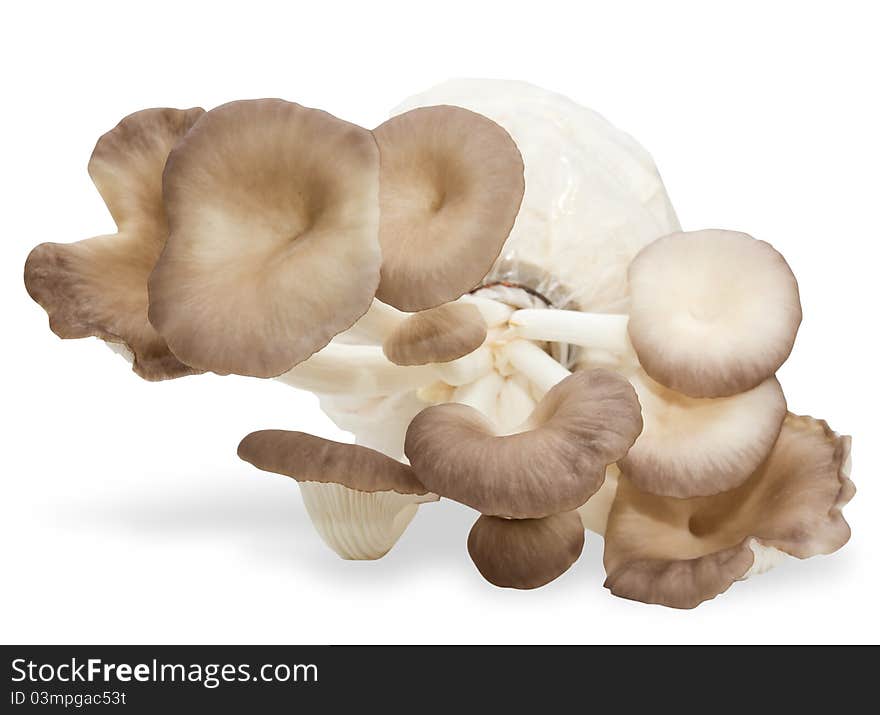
{"x": 492, "y": 291}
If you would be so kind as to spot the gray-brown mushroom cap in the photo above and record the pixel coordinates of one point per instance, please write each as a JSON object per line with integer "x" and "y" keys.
{"x": 584, "y": 423}
{"x": 525, "y": 553}
{"x": 273, "y": 246}
{"x": 98, "y": 287}
{"x": 681, "y": 552}
{"x": 712, "y": 313}
{"x": 701, "y": 446}
{"x": 451, "y": 186}
{"x": 308, "y": 458}
{"x": 440, "y": 334}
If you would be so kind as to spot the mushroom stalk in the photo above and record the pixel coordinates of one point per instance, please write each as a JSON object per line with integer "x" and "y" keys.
{"x": 358, "y": 369}
{"x": 467, "y": 369}
{"x": 482, "y": 395}
{"x": 539, "y": 367}
{"x": 606, "y": 331}
{"x": 494, "y": 312}
{"x": 376, "y": 324}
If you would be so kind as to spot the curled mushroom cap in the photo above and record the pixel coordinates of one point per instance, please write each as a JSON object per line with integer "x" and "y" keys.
{"x": 584, "y": 423}
{"x": 525, "y": 553}
{"x": 681, "y": 552}
{"x": 273, "y": 246}
{"x": 713, "y": 312}
{"x": 308, "y": 458}
{"x": 98, "y": 287}
{"x": 440, "y": 334}
{"x": 701, "y": 446}
{"x": 451, "y": 186}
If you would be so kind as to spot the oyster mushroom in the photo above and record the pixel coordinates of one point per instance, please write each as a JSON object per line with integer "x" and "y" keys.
{"x": 584, "y": 423}
{"x": 98, "y": 286}
{"x": 701, "y": 446}
{"x": 274, "y": 237}
{"x": 525, "y": 553}
{"x": 451, "y": 187}
{"x": 712, "y": 314}
{"x": 681, "y": 552}
{"x": 440, "y": 334}
{"x": 359, "y": 500}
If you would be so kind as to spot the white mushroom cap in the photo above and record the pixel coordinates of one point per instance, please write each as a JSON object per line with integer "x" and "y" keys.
{"x": 713, "y": 312}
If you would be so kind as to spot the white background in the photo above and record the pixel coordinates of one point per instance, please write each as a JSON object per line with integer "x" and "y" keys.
{"x": 126, "y": 516}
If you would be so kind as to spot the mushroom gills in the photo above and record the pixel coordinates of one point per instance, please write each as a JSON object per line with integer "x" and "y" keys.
{"x": 360, "y": 525}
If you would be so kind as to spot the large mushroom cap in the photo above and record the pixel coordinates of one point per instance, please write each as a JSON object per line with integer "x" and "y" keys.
{"x": 584, "y": 423}
{"x": 98, "y": 287}
{"x": 451, "y": 187}
{"x": 525, "y": 553}
{"x": 713, "y": 312}
{"x": 694, "y": 446}
{"x": 681, "y": 552}
{"x": 273, "y": 245}
{"x": 440, "y": 334}
{"x": 308, "y": 458}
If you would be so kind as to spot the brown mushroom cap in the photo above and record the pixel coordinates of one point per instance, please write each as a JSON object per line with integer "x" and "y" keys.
{"x": 584, "y": 423}
{"x": 440, "y": 334}
{"x": 701, "y": 446}
{"x": 98, "y": 287}
{"x": 525, "y": 553}
{"x": 273, "y": 245}
{"x": 451, "y": 186}
{"x": 681, "y": 552}
{"x": 713, "y": 313}
{"x": 308, "y": 458}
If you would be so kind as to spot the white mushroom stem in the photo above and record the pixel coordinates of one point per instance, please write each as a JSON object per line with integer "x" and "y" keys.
{"x": 494, "y": 312}
{"x": 606, "y": 331}
{"x": 358, "y": 369}
{"x": 515, "y": 404}
{"x": 482, "y": 395}
{"x": 539, "y": 367}
{"x": 467, "y": 369}
{"x": 376, "y": 324}
{"x": 360, "y": 525}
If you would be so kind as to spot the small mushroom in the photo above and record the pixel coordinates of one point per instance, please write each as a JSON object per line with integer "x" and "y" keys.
{"x": 451, "y": 186}
{"x": 701, "y": 446}
{"x": 359, "y": 500}
{"x": 440, "y": 334}
{"x": 713, "y": 313}
{"x": 98, "y": 286}
{"x": 584, "y": 423}
{"x": 525, "y": 553}
{"x": 273, "y": 245}
{"x": 681, "y": 552}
